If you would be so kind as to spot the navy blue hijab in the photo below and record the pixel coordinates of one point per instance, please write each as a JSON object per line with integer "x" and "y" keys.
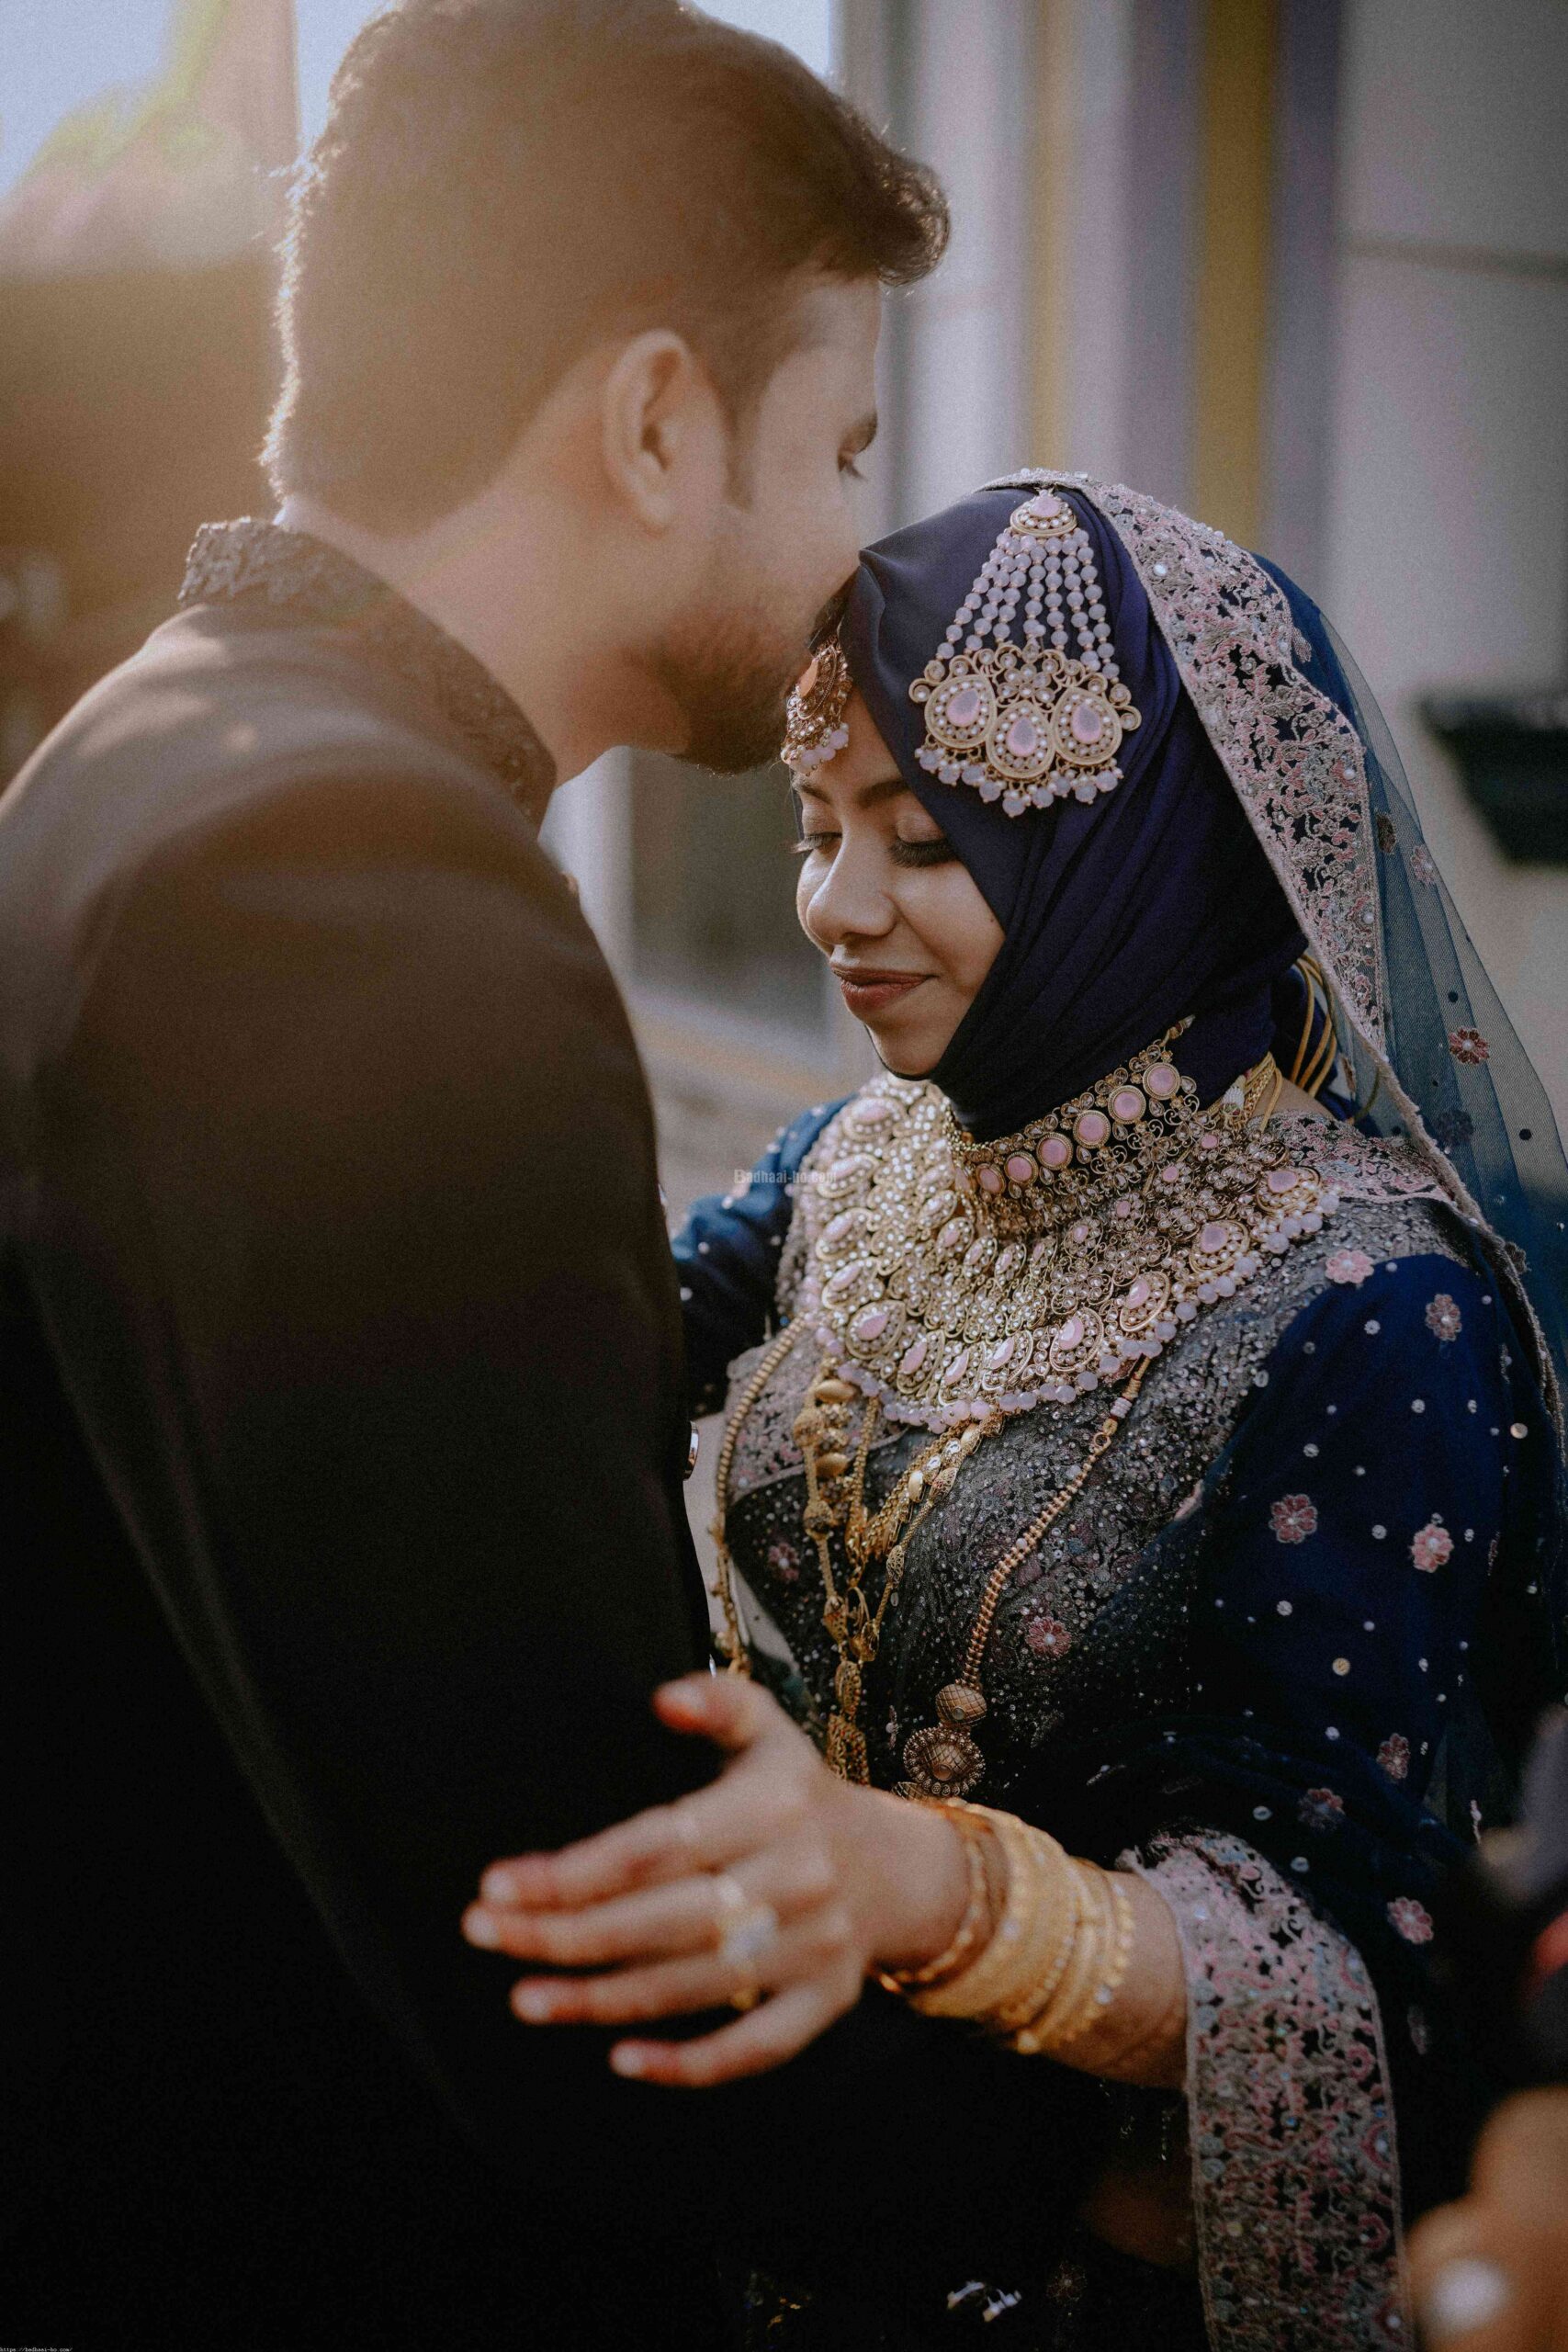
{"x": 1152, "y": 902}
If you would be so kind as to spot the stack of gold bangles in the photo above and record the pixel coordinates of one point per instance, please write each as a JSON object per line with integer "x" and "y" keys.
{"x": 1043, "y": 1944}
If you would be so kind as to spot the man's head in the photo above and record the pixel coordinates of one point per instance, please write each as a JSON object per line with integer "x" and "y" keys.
{"x": 600, "y": 279}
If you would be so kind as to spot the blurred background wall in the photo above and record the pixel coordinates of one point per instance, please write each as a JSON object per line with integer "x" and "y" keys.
{"x": 1301, "y": 266}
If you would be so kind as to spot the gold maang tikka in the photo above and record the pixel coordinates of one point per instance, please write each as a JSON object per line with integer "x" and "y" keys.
{"x": 815, "y": 731}
{"x": 1027, "y": 722}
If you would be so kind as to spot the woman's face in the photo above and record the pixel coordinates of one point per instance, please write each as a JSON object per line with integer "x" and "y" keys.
{"x": 892, "y": 907}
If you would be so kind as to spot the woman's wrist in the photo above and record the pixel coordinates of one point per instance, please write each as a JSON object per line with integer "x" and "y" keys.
{"x": 911, "y": 1875}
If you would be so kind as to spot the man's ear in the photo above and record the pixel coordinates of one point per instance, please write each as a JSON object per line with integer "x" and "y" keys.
{"x": 662, "y": 428}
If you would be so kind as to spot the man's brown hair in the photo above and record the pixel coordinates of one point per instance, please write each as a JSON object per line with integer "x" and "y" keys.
{"x": 502, "y": 183}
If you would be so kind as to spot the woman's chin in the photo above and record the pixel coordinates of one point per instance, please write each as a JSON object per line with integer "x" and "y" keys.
{"x": 903, "y": 1056}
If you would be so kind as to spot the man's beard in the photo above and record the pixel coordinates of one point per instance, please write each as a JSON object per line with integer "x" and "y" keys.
{"x": 731, "y": 679}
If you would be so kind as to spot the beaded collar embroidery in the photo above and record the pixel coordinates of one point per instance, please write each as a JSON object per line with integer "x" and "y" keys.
{"x": 254, "y": 559}
{"x": 954, "y": 1280}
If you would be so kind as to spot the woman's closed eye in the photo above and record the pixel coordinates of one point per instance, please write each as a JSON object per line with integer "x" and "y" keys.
{"x": 937, "y": 850}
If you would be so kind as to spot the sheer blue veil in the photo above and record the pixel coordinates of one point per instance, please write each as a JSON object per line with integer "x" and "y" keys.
{"x": 1482, "y": 1102}
{"x": 1434, "y": 1057}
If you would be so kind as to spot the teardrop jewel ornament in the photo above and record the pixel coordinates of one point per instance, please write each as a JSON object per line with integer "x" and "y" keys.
{"x": 1027, "y": 722}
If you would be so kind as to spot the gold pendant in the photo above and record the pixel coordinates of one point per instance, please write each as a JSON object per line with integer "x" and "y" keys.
{"x": 944, "y": 1761}
{"x": 846, "y": 1751}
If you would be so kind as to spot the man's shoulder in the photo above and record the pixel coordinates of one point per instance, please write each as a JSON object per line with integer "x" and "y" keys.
{"x": 216, "y": 713}
{"x": 225, "y": 752}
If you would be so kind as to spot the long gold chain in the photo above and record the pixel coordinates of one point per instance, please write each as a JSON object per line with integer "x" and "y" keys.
{"x": 731, "y": 1640}
{"x": 944, "y": 1759}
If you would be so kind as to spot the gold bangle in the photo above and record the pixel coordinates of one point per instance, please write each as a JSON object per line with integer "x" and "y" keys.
{"x": 965, "y": 1994}
{"x": 1003, "y": 1970}
{"x": 1107, "y": 1955}
{"x": 976, "y": 1918}
{"x": 1040, "y": 2031}
{"x": 1059, "y": 1913}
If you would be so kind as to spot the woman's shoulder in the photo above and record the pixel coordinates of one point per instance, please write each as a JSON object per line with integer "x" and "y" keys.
{"x": 1393, "y": 1263}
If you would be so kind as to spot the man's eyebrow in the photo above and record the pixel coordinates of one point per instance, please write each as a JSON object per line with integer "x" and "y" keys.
{"x": 860, "y": 437}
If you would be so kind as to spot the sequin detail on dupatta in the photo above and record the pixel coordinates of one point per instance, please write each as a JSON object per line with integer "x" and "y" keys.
{"x": 1297, "y": 2195}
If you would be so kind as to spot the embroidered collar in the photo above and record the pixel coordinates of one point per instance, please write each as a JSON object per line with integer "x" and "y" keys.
{"x": 256, "y": 560}
{"x": 954, "y": 1280}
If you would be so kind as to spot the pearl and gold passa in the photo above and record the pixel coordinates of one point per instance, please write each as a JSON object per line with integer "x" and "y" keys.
{"x": 954, "y": 1280}
{"x": 1029, "y": 723}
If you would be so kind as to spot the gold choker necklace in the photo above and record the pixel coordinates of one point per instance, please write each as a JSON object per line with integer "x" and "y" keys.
{"x": 954, "y": 1280}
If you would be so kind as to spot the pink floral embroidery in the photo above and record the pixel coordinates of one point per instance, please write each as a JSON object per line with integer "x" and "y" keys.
{"x": 1412, "y": 1919}
{"x": 1394, "y": 1756}
{"x": 1294, "y": 2174}
{"x": 1469, "y": 1045}
{"x": 1492, "y": 1551}
{"x": 1048, "y": 1637}
{"x": 784, "y": 1561}
{"x": 1423, "y": 866}
{"x": 1348, "y": 1266}
{"x": 1321, "y": 1809}
{"x": 1443, "y": 1318}
{"x": 1294, "y": 1518}
{"x": 1431, "y": 1546}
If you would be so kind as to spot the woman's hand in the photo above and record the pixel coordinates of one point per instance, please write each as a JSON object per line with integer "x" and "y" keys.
{"x": 812, "y": 1882}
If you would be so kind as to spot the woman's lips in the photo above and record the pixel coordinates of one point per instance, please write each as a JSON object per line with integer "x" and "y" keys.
{"x": 870, "y": 992}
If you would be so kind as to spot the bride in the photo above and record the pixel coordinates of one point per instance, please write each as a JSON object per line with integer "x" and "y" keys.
{"x": 1138, "y": 1545}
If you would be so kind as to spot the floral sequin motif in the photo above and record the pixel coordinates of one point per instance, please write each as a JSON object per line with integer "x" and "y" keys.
{"x": 1321, "y": 1809}
{"x": 1348, "y": 1266}
{"x": 1431, "y": 1546}
{"x": 1443, "y": 1318}
{"x": 1411, "y": 1919}
{"x": 1278, "y": 1996}
{"x": 1424, "y": 867}
{"x": 784, "y": 1561}
{"x": 1294, "y": 1518}
{"x": 1469, "y": 1045}
{"x": 1394, "y": 1756}
{"x": 1048, "y": 1637}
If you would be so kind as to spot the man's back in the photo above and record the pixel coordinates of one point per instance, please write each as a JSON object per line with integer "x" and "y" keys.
{"x": 341, "y": 1429}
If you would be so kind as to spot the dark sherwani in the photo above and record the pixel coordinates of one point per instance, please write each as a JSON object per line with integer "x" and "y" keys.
{"x": 343, "y": 1436}
{"x": 341, "y": 1488}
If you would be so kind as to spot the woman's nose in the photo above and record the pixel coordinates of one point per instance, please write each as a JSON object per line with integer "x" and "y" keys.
{"x": 848, "y": 902}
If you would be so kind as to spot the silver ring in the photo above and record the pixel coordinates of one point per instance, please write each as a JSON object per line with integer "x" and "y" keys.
{"x": 1467, "y": 2292}
{"x": 747, "y": 1932}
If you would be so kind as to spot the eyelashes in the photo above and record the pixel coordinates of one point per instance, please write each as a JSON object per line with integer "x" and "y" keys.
{"x": 906, "y": 853}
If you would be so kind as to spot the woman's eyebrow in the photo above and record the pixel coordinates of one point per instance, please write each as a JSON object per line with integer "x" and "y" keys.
{"x": 866, "y": 798}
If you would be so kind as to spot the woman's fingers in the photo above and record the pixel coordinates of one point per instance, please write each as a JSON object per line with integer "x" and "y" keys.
{"x": 810, "y": 1949}
{"x": 754, "y": 1801}
{"x": 687, "y": 1915}
{"x": 767, "y": 2037}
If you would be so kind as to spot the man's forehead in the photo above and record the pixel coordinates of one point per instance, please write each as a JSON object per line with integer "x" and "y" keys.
{"x": 840, "y": 316}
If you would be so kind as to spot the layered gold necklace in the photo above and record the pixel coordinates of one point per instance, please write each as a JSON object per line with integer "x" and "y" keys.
{"x": 954, "y": 1284}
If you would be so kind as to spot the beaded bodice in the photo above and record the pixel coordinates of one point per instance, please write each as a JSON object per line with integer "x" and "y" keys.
{"x": 1094, "y": 1625}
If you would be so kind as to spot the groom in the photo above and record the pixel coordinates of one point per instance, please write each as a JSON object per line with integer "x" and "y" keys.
{"x": 340, "y": 1428}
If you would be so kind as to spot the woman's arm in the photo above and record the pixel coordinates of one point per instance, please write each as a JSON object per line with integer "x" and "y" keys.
{"x": 839, "y": 1883}
{"x": 727, "y": 1253}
